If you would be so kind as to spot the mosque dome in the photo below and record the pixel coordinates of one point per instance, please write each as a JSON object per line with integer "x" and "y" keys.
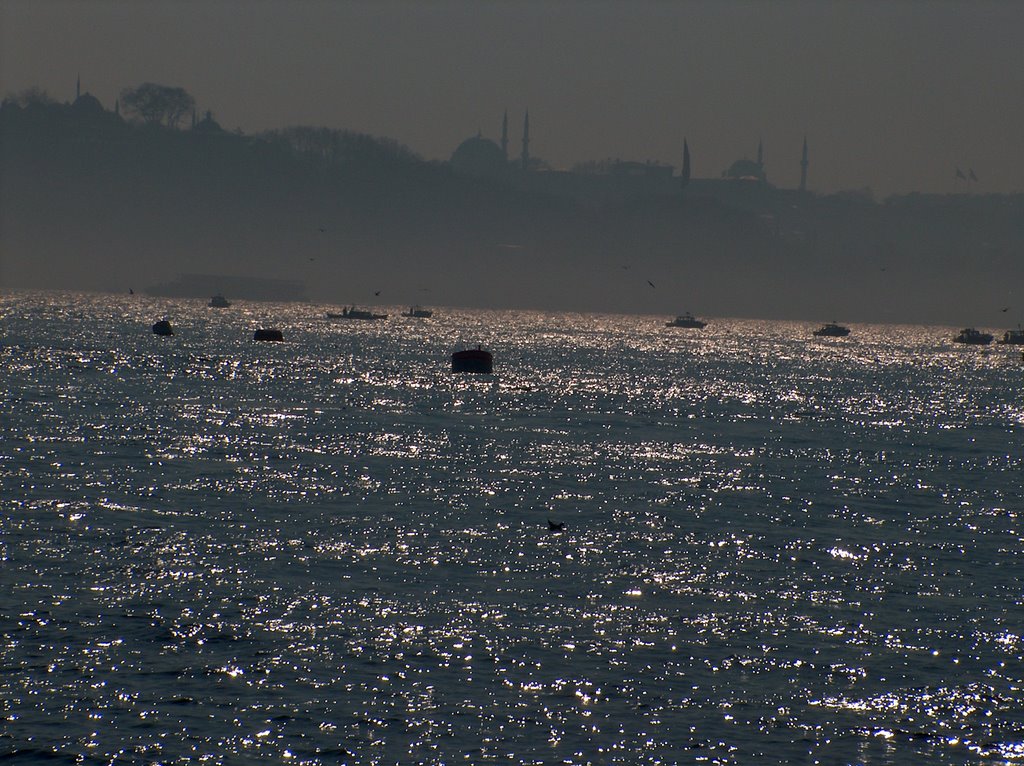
{"x": 88, "y": 104}
{"x": 479, "y": 156}
{"x": 747, "y": 170}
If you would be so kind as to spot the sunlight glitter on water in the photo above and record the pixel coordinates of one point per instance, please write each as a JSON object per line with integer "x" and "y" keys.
{"x": 331, "y": 550}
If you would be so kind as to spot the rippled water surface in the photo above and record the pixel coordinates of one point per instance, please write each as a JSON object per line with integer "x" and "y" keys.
{"x": 777, "y": 548}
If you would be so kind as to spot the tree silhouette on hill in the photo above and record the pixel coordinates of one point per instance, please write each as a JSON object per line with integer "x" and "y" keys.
{"x": 157, "y": 104}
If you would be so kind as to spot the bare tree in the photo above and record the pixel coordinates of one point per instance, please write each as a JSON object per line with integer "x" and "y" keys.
{"x": 33, "y": 96}
{"x": 157, "y": 104}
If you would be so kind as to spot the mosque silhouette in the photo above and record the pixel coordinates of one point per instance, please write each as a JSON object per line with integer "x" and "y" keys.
{"x": 483, "y": 158}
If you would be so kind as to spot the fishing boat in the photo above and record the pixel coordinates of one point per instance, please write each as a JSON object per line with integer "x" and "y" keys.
{"x": 832, "y": 330}
{"x": 1013, "y": 337}
{"x": 218, "y": 301}
{"x": 973, "y": 337}
{"x": 687, "y": 320}
{"x": 418, "y": 312}
{"x": 353, "y": 313}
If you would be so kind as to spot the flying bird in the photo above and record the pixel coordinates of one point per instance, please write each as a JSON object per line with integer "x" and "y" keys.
{"x": 1005, "y": 310}
{"x": 553, "y": 527}
{"x": 377, "y": 293}
{"x": 650, "y": 283}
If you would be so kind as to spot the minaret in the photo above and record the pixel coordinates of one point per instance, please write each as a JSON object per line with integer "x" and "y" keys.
{"x": 526, "y": 141}
{"x": 504, "y": 135}
{"x": 760, "y": 154}
{"x": 684, "y": 174}
{"x": 78, "y": 88}
{"x": 803, "y": 168}
{"x": 117, "y": 107}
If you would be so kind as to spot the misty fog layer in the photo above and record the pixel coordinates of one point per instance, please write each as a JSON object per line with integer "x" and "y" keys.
{"x": 90, "y": 201}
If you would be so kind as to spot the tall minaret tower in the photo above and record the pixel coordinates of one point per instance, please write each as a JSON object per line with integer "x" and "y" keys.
{"x": 504, "y": 135}
{"x": 803, "y": 168}
{"x": 526, "y": 141}
{"x": 78, "y": 88}
{"x": 760, "y": 154}
{"x": 684, "y": 174}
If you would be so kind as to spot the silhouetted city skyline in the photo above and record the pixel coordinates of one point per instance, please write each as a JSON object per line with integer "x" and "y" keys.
{"x": 896, "y": 97}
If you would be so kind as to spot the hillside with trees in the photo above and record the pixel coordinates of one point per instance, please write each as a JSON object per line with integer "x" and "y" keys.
{"x": 101, "y": 199}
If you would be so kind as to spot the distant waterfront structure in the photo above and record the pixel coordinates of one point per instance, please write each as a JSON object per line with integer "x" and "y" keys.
{"x": 748, "y": 170}
{"x": 480, "y": 156}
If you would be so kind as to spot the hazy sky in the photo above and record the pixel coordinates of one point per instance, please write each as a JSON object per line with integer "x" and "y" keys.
{"x": 891, "y": 95}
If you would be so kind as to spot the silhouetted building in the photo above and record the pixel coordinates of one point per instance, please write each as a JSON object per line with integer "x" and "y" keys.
{"x": 479, "y": 156}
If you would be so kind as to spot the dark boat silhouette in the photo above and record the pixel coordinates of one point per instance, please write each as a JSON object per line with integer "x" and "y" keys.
{"x": 218, "y": 301}
{"x": 687, "y": 320}
{"x": 1013, "y": 337}
{"x": 832, "y": 330}
{"x": 473, "y": 360}
{"x": 354, "y": 313}
{"x": 973, "y": 337}
{"x": 418, "y": 312}
{"x": 163, "y": 327}
{"x": 268, "y": 334}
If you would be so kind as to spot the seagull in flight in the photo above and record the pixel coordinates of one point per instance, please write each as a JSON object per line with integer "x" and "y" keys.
{"x": 650, "y": 283}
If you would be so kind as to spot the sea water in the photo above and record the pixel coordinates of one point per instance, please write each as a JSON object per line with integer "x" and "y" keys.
{"x": 776, "y": 548}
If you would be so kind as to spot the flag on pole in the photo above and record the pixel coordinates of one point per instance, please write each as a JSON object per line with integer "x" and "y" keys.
{"x": 970, "y": 174}
{"x": 960, "y": 174}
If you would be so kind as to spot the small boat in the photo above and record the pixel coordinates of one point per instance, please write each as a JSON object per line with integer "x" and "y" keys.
{"x": 219, "y": 302}
{"x": 418, "y": 312}
{"x": 1013, "y": 337}
{"x": 832, "y": 330}
{"x": 354, "y": 313}
{"x": 687, "y": 320}
{"x": 163, "y": 327}
{"x": 974, "y": 337}
{"x": 474, "y": 360}
{"x": 268, "y": 334}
